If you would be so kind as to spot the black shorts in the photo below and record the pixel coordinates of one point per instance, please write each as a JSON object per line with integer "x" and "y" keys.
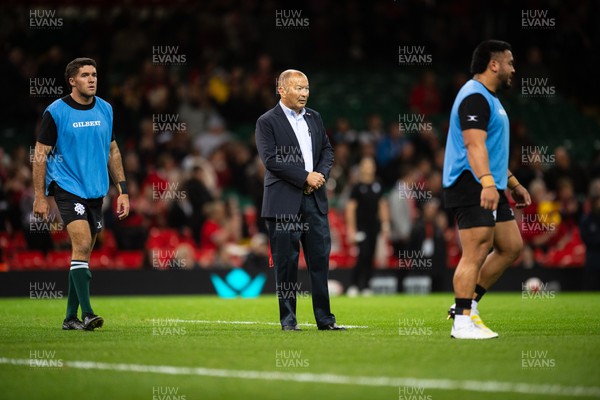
{"x": 464, "y": 199}
{"x": 74, "y": 208}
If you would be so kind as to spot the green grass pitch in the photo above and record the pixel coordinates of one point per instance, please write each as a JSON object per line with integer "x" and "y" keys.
{"x": 548, "y": 348}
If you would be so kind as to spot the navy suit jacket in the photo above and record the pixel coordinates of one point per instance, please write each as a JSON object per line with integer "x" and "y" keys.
{"x": 280, "y": 152}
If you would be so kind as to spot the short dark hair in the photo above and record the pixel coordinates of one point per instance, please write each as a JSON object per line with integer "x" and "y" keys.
{"x": 73, "y": 67}
{"x": 483, "y": 54}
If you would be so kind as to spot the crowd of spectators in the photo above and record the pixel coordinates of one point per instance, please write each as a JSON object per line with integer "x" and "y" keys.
{"x": 186, "y": 136}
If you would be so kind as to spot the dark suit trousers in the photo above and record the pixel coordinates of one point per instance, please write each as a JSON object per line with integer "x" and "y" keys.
{"x": 311, "y": 228}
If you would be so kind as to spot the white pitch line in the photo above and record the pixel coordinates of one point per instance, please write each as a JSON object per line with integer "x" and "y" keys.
{"x": 202, "y": 321}
{"x": 382, "y": 381}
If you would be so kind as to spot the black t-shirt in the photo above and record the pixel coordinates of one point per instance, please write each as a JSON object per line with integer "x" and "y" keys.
{"x": 367, "y": 212}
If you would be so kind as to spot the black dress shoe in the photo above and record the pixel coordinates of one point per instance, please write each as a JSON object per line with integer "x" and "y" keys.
{"x": 290, "y": 328}
{"x": 332, "y": 327}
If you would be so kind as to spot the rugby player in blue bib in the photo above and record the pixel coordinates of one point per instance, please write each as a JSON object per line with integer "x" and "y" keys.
{"x": 475, "y": 178}
{"x": 74, "y": 153}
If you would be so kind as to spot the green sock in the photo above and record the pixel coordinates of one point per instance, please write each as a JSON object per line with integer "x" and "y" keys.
{"x": 81, "y": 279}
{"x": 72, "y": 300}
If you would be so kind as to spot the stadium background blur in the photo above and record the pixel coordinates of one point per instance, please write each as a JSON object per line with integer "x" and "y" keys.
{"x": 186, "y": 126}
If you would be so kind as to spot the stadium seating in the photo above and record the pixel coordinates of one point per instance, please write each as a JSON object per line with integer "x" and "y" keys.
{"x": 162, "y": 238}
{"x": 101, "y": 259}
{"x": 133, "y": 259}
{"x": 27, "y": 260}
{"x": 60, "y": 260}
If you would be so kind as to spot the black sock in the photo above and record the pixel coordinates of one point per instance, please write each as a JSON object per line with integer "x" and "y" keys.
{"x": 462, "y": 305}
{"x": 479, "y": 291}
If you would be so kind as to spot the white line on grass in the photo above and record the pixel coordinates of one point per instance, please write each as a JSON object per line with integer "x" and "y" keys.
{"x": 201, "y": 321}
{"x": 385, "y": 381}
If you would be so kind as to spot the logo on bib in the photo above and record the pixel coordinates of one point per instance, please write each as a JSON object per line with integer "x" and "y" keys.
{"x": 84, "y": 124}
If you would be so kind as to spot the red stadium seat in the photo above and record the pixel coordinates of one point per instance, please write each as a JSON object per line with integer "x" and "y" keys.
{"x": 162, "y": 238}
{"x": 17, "y": 242}
{"x": 108, "y": 241}
{"x": 340, "y": 260}
{"x": 101, "y": 259}
{"x": 27, "y": 260}
{"x": 58, "y": 260}
{"x": 60, "y": 238}
{"x": 133, "y": 259}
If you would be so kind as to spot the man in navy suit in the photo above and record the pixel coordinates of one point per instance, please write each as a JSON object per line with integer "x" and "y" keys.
{"x": 297, "y": 155}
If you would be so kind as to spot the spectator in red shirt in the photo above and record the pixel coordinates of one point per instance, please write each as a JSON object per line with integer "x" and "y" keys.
{"x": 425, "y": 97}
{"x": 221, "y": 229}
